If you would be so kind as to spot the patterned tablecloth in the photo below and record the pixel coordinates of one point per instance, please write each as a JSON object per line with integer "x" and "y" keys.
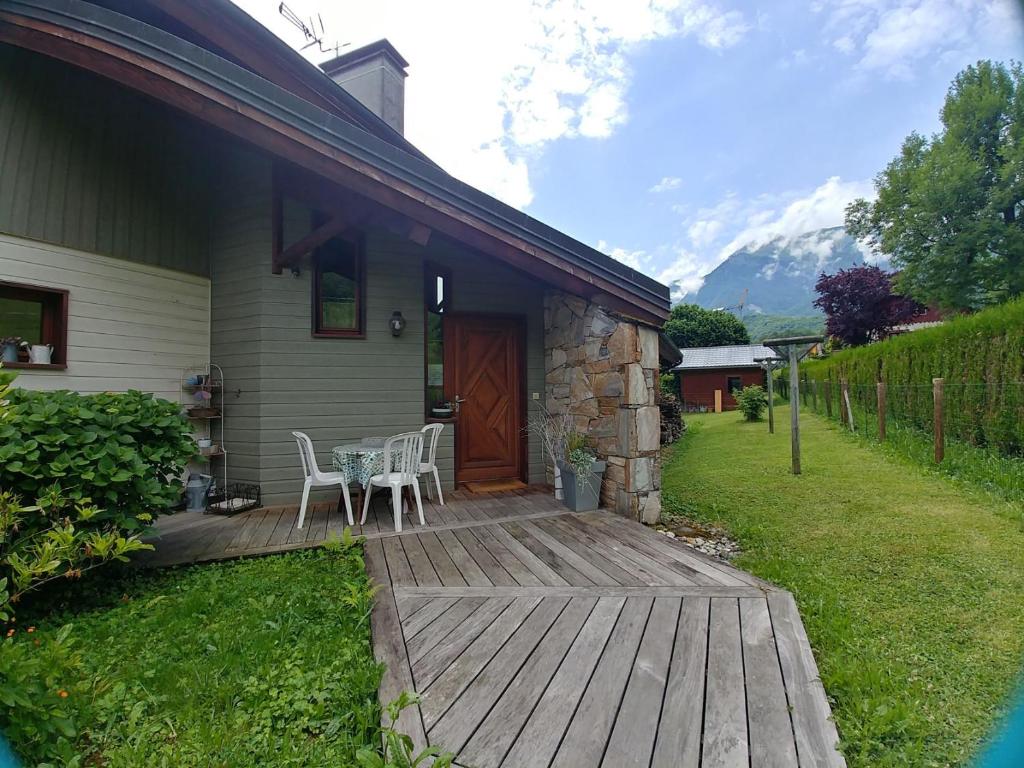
{"x": 360, "y": 461}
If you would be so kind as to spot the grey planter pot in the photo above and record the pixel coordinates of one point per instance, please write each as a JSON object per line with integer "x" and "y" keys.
{"x": 584, "y": 496}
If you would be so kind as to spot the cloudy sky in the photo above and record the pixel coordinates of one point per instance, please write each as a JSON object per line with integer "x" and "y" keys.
{"x": 670, "y": 132}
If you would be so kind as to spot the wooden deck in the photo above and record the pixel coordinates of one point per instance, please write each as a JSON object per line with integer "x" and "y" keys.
{"x": 539, "y": 637}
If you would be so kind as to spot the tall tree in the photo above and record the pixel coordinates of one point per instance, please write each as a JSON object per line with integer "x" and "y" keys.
{"x": 949, "y": 208}
{"x": 859, "y": 305}
{"x": 693, "y": 326}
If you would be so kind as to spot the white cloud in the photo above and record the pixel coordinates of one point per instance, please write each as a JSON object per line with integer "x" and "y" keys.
{"x": 894, "y": 37}
{"x": 715, "y": 232}
{"x": 490, "y": 84}
{"x": 667, "y": 183}
{"x": 821, "y": 208}
{"x": 638, "y": 260}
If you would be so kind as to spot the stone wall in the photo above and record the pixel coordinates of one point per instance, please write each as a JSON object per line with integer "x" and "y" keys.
{"x": 603, "y": 369}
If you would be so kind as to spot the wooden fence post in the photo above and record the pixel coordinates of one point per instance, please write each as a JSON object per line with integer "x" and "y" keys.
{"x": 845, "y": 405}
{"x": 881, "y": 411}
{"x": 938, "y": 397}
{"x": 814, "y": 395}
{"x": 828, "y": 398}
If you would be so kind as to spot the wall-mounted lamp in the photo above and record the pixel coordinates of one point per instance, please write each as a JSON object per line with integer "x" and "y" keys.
{"x": 396, "y": 323}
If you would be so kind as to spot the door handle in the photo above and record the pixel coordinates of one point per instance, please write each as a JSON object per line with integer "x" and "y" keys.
{"x": 458, "y": 403}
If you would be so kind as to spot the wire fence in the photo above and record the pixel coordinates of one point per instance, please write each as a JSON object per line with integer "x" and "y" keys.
{"x": 987, "y": 415}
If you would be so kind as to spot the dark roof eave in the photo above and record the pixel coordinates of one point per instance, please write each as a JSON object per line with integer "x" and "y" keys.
{"x": 272, "y": 100}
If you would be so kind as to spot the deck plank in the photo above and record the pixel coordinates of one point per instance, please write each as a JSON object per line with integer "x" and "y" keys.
{"x": 444, "y": 566}
{"x": 389, "y": 647}
{"x": 496, "y": 733}
{"x": 535, "y": 745}
{"x": 636, "y": 727}
{"x": 725, "y": 707}
{"x": 471, "y": 572}
{"x": 452, "y": 620}
{"x": 398, "y": 563}
{"x": 442, "y": 692}
{"x": 494, "y": 571}
{"x": 816, "y": 736}
{"x": 436, "y": 660}
{"x": 679, "y": 732}
{"x": 422, "y": 568}
{"x": 588, "y": 732}
{"x": 771, "y": 731}
{"x": 453, "y": 729}
{"x": 516, "y": 568}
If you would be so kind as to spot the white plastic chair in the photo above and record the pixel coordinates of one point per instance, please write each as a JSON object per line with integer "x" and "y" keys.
{"x": 433, "y": 433}
{"x": 317, "y": 479}
{"x": 409, "y": 449}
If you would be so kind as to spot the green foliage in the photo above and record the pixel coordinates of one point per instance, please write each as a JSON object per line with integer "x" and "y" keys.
{"x": 36, "y": 683}
{"x": 51, "y": 540}
{"x": 948, "y": 208}
{"x": 398, "y": 747}
{"x": 243, "y": 664}
{"x": 123, "y": 452}
{"x": 762, "y": 327}
{"x": 981, "y": 358}
{"x": 752, "y": 401}
{"x": 911, "y": 587}
{"x": 692, "y": 326}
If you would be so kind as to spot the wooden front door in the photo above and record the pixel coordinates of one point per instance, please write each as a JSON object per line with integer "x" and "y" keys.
{"x": 484, "y": 370}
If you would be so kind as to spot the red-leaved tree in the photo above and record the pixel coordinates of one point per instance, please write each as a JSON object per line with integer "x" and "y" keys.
{"x": 859, "y": 304}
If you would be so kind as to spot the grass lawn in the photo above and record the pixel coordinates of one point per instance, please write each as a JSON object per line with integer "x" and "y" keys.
{"x": 911, "y": 586}
{"x": 259, "y": 662}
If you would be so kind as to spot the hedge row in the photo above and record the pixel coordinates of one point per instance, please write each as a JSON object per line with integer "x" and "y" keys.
{"x": 981, "y": 358}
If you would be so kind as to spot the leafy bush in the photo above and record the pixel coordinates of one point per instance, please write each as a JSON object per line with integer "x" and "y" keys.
{"x": 36, "y": 692}
{"x": 123, "y": 452}
{"x": 981, "y": 358}
{"x": 752, "y": 401}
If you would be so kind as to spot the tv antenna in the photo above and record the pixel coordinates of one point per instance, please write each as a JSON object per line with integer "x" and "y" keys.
{"x": 309, "y": 29}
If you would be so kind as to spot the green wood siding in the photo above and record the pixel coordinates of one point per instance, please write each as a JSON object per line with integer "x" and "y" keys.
{"x": 338, "y": 390}
{"x": 87, "y": 164}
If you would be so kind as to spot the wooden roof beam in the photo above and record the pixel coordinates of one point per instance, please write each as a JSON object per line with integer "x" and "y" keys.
{"x": 290, "y": 255}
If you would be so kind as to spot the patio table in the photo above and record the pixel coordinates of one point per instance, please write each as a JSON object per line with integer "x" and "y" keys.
{"x": 360, "y": 460}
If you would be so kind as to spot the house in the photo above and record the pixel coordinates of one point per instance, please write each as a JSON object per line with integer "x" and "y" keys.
{"x": 707, "y": 370}
{"x": 178, "y": 187}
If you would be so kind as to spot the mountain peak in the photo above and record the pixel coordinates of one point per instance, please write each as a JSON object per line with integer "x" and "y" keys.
{"x": 777, "y": 276}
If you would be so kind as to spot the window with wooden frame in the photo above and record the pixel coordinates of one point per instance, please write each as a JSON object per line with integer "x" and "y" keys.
{"x": 437, "y": 299}
{"x": 339, "y": 289}
{"x": 31, "y": 315}
{"x": 733, "y": 384}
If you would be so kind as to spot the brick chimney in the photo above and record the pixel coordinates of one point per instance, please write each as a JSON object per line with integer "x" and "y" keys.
{"x": 374, "y": 74}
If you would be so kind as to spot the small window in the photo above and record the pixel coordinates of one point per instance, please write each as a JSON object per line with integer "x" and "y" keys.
{"x": 33, "y": 316}
{"x": 437, "y": 290}
{"x": 734, "y": 384}
{"x": 338, "y": 289}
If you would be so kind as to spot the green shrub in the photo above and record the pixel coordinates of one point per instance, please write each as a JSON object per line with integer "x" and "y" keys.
{"x": 123, "y": 452}
{"x": 981, "y": 358}
{"x": 752, "y": 401}
{"x": 39, "y": 683}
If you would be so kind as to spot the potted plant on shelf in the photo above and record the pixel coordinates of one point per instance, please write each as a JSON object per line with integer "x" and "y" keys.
{"x": 583, "y": 472}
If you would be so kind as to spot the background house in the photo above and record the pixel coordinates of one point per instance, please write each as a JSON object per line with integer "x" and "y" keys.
{"x": 727, "y": 369}
{"x": 179, "y": 187}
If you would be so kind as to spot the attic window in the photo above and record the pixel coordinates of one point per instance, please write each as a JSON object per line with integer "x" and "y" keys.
{"x": 36, "y": 316}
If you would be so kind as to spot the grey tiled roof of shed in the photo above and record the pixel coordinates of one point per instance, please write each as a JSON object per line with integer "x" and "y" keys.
{"x": 736, "y": 356}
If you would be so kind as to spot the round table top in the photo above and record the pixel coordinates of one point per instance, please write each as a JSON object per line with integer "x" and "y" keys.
{"x": 362, "y": 446}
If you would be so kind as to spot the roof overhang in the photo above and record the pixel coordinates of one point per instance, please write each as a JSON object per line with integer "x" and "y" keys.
{"x": 221, "y": 93}
{"x": 744, "y": 367}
